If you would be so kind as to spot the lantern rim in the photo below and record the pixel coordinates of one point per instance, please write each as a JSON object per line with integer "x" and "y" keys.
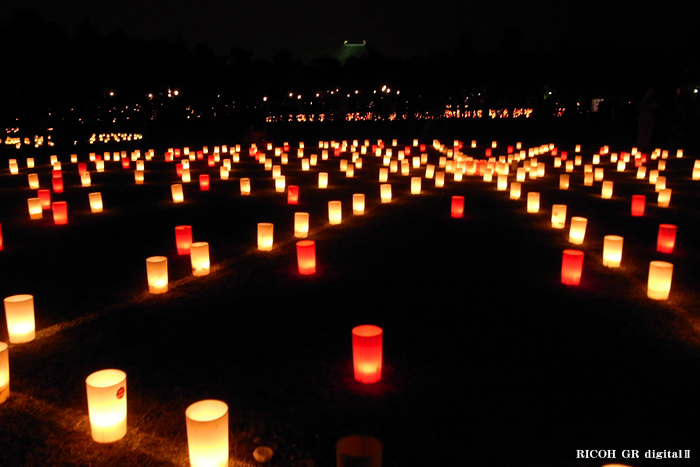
{"x": 572, "y": 252}
{"x": 305, "y": 243}
{"x": 207, "y": 410}
{"x": 105, "y": 378}
{"x": 156, "y": 259}
{"x": 367, "y": 330}
{"x": 18, "y": 298}
{"x": 661, "y": 264}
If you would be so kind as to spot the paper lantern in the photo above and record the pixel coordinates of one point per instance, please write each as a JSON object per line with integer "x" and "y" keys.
{"x": 30, "y": 161}
{"x": 558, "y": 216}
{"x": 358, "y": 204}
{"x": 157, "y": 274}
{"x": 588, "y": 179}
{"x": 207, "y": 433}
{"x": 429, "y": 171}
{"x": 57, "y": 183}
{"x": 292, "y": 194}
{"x": 138, "y": 177}
{"x": 301, "y": 224}
{"x": 204, "y": 182}
{"x": 95, "y": 201}
{"x": 60, "y": 212}
{"x": 335, "y": 214}
{"x": 323, "y": 179}
{"x": 223, "y": 173}
{"x": 106, "y": 396}
{"x": 571, "y": 267}
{"x": 4, "y": 372}
{"x": 659, "y": 284}
{"x": 533, "y": 202}
{"x": 666, "y": 239}
{"x": 660, "y": 183}
{"x": 306, "y": 257}
{"x": 653, "y": 175}
{"x": 199, "y": 255}
{"x": 457, "y": 207}
{"x": 577, "y": 232}
{"x": 100, "y": 166}
{"x": 385, "y": 192}
{"x": 19, "y": 313}
{"x": 183, "y": 239}
{"x": 33, "y": 180}
{"x": 178, "y": 195}
{"x": 245, "y": 186}
{"x": 515, "y": 190}
{"x": 416, "y": 185}
{"x": 612, "y": 251}
{"x": 265, "y": 236}
{"x": 186, "y": 177}
{"x": 440, "y": 179}
{"x": 638, "y": 202}
{"x": 569, "y": 167}
{"x": 606, "y": 190}
{"x": 280, "y": 183}
{"x": 35, "y": 209}
{"x": 664, "y": 198}
{"x": 1, "y": 242}
{"x": 367, "y": 353}
{"x": 358, "y": 451}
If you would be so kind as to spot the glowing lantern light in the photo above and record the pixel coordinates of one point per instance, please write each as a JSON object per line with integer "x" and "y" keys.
{"x": 358, "y": 204}
{"x": 57, "y": 184}
{"x": 85, "y": 179}
{"x": 606, "y": 190}
{"x": 612, "y": 251}
{"x": 569, "y": 165}
{"x": 577, "y": 232}
{"x": 659, "y": 284}
{"x": 138, "y": 177}
{"x": 416, "y": 185}
{"x": 502, "y": 183}
{"x": 367, "y": 353}
{"x": 35, "y": 209}
{"x": 335, "y": 214}
{"x": 653, "y": 175}
{"x": 515, "y": 190}
{"x": 19, "y": 313}
{"x": 139, "y": 164}
{"x": 666, "y": 239}
{"x": 660, "y": 183}
{"x": 439, "y": 179}
{"x": 223, "y": 172}
{"x": 14, "y": 167}
{"x": 186, "y": 177}
{"x": 245, "y": 186}
{"x": 571, "y": 267}
{"x": 157, "y": 274}
{"x": 292, "y": 194}
{"x": 95, "y": 201}
{"x": 429, "y": 171}
{"x": 204, "y": 182}
{"x": 457, "y": 208}
{"x": 4, "y": 372}
{"x": 564, "y": 181}
{"x": 306, "y": 257}
{"x": 558, "y": 216}
{"x": 520, "y": 174}
{"x": 33, "y": 181}
{"x": 385, "y": 192}
{"x": 533, "y": 202}
{"x": 199, "y": 255}
{"x": 178, "y": 195}
{"x": 265, "y": 236}
{"x": 100, "y": 166}
{"x": 664, "y": 198}
{"x": 621, "y": 166}
{"x": 60, "y": 212}
{"x": 183, "y": 239}
{"x": 323, "y": 179}
{"x": 301, "y": 224}
{"x": 30, "y": 161}
{"x": 106, "y": 396}
{"x": 641, "y": 172}
{"x": 358, "y": 451}
{"x": 280, "y": 183}
{"x": 207, "y": 433}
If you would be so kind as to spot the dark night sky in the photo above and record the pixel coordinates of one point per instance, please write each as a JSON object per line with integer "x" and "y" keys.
{"x": 403, "y": 28}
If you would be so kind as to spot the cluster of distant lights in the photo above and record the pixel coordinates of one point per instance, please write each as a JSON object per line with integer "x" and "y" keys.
{"x": 114, "y": 137}
{"x": 37, "y": 141}
{"x": 373, "y": 116}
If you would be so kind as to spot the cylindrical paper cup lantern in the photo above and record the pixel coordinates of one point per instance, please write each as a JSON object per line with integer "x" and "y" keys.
{"x": 457, "y": 207}
{"x": 612, "y": 251}
{"x": 335, "y": 213}
{"x": 60, "y": 212}
{"x": 245, "y": 186}
{"x": 358, "y": 204}
{"x": 571, "y": 267}
{"x": 641, "y": 172}
{"x": 416, "y": 185}
{"x": 515, "y": 190}
{"x": 502, "y": 184}
{"x": 199, "y": 254}
{"x": 588, "y": 179}
{"x": 664, "y": 198}
{"x": 577, "y": 232}
{"x": 280, "y": 183}
{"x": 204, "y": 182}
{"x": 106, "y": 396}
{"x": 207, "y": 433}
{"x": 95, "y": 202}
{"x": 138, "y": 177}
{"x": 429, "y": 171}
{"x": 520, "y": 174}
{"x": 157, "y": 272}
{"x": 383, "y": 174}
{"x": 306, "y": 257}
{"x": 178, "y": 195}
{"x": 85, "y": 179}
{"x": 558, "y": 216}
{"x": 638, "y": 202}
{"x": 293, "y": 194}
{"x": 533, "y": 202}
{"x": 183, "y": 239}
{"x": 653, "y": 175}
{"x": 57, "y": 184}
{"x": 367, "y": 353}
{"x": 358, "y": 451}
{"x": 606, "y": 190}
{"x": 660, "y": 275}
{"x": 323, "y": 179}
{"x": 33, "y": 181}
{"x": 186, "y": 176}
{"x": 666, "y": 239}
{"x": 19, "y": 313}
{"x": 265, "y": 236}
{"x": 35, "y": 209}
{"x": 4, "y": 372}
{"x": 439, "y": 179}
{"x": 660, "y": 183}
{"x": 301, "y": 224}
{"x": 385, "y": 192}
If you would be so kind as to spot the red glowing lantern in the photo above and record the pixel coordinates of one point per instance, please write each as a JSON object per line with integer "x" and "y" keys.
{"x": 571, "y": 267}
{"x": 564, "y": 154}
{"x": 457, "y": 209}
{"x": 168, "y": 157}
{"x": 178, "y": 169}
{"x": 45, "y": 197}
{"x": 200, "y": 155}
{"x": 211, "y": 160}
{"x": 183, "y": 239}
{"x": 306, "y": 257}
{"x": 0, "y": 237}
{"x": 488, "y": 152}
{"x": 204, "y": 182}
{"x": 57, "y": 184}
{"x": 60, "y": 212}
{"x": 422, "y": 148}
{"x": 82, "y": 167}
{"x": 292, "y": 194}
{"x": 125, "y": 163}
{"x": 666, "y": 239}
{"x": 555, "y": 151}
{"x": 407, "y": 151}
{"x": 367, "y": 353}
{"x": 638, "y": 202}
{"x": 336, "y": 152}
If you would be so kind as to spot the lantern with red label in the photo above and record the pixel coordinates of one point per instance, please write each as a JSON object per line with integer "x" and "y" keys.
{"x": 106, "y": 396}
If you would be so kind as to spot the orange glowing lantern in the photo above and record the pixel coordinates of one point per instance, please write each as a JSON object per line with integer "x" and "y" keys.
{"x": 358, "y": 204}
{"x": 57, "y": 184}
{"x": 30, "y": 161}
{"x": 4, "y": 372}
{"x": 515, "y": 189}
{"x": 429, "y": 171}
{"x": 612, "y": 251}
{"x": 106, "y": 396}
{"x": 358, "y": 451}
{"x": 95, "y": 202}
{"x": 577, "y": 232}
{"x": 571, "y": 267}
{"x": 293, "y": 194}
{"x": 207, "y": 433}
{"x": 186, "y": 176}
{"x": 558, "y": 216}
{"x": 660, "y": 183}
{"x": 335, "y": 214}
{"x": 383, "y": 174}
{"x": 439, "y": 179}
{"x": 265, "y": 236}
{"x": 178, "y": 195}
{"x": 385, "y": 192}
{"x": 564, "y": 181}
{"x": 138, "y": 177}
{"x": 638, "y": 203}
{"x": 60, "y": 212}
{"x": 204, "y": 182}
{"x": 533, "y": 202}
{"x": 323, "y": 179}
{"x": 306, "y": 257}
{"x": 157, "y": 273}
{"x": 33, "y": 181}
{"x": 606, "y": 190}
{"x": 301, "y": 224}
{"x": 664, "y": 198}
{"x": 367, "y": 353}
{"x": 666, "y": 238}
{"x": 659, "y": 284}
{"x": 19, "y": 314}
{"x": 245, "y": 186}
{"x": 35, "y": 209}
{"x": 588, "y": 179}
{"x": 457, "y": 208}
{"x": 416, "y": 185}
{"x": 199, "y": 255}
{"x": 85, "y": 179}
{"x": 183, "y": 239}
